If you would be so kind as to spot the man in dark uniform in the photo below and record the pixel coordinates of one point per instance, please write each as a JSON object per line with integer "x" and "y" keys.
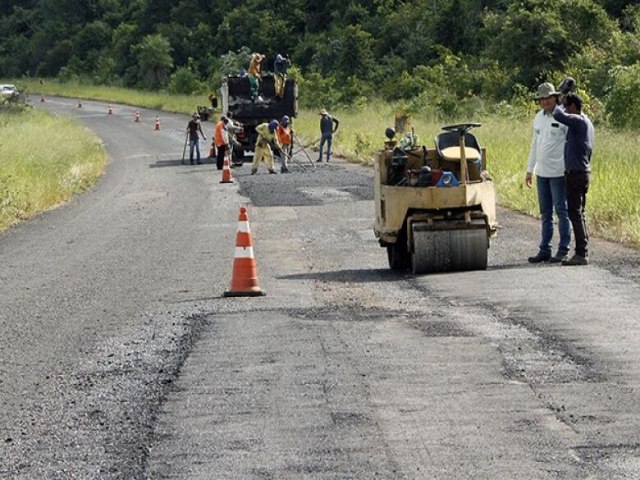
{"x": 195, "y": 129}
{"x": 328, "y": 126}
{"x": 577, "y": 161}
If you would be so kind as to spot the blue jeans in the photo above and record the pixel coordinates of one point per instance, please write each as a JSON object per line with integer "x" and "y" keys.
{"x": 552, "y": 196}
{"x": 194, "y": 144}
{"x": 328, "y": 138}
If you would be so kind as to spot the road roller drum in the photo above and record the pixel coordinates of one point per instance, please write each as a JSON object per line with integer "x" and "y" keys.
{"x": 448, "y": 250}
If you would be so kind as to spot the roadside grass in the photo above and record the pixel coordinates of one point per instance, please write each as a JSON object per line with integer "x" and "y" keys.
{"x": 613, "y": 202}
{"x": 43, "y": 161}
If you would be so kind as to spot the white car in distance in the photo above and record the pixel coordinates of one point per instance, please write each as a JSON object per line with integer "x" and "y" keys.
{"x": 8, "y": 90}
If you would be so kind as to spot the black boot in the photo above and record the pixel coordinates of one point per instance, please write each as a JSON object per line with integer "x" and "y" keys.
{"x": 541, "y": 256}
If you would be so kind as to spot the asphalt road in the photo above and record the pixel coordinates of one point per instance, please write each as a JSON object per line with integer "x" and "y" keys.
{"x": 121, "y": 359}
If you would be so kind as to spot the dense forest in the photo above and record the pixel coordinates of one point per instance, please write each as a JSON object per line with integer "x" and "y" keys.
{"x": 443, "y": 55}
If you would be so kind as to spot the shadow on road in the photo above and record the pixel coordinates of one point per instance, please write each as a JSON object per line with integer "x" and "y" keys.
{"x": 354, "y": 276}
{"x": 516, "y": 266}
{"x": 178, "y": 162}
{"x": 381, "y": 275}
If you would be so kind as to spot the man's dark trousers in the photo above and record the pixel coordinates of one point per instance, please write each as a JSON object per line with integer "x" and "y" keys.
{"x": 577, "y": 186}
{"x": 222, "y": 149}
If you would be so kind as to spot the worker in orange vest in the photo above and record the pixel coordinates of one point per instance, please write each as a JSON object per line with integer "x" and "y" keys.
{"x": 221, "y": 139}
{"x": 285, "y": 137}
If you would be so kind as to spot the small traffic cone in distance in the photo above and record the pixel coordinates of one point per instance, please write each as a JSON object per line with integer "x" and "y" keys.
{"x": 137, "y": 120}
{"x": 226, "y": 170}
{"x": 244, "y": 279}
{"x": 212, "y": 150}
{"x": 110, "y": 111}
{"x": 42, "y": 98}
{"x": 157, "y": 127}
{"x": 79, "y": 103}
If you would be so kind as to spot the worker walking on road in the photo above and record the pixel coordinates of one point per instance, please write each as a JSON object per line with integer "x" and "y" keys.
{"x": 285, "y": 137}
{"x": 328, "y": 126}
{"x": 194, "y": 130}
{"x": 266, "y": 136}
{"x": 221, "y": 139}
{"x": 546, "y": 158}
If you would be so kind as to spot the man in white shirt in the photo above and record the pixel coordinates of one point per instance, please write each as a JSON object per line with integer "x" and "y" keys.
{"x": 546, "y": 159}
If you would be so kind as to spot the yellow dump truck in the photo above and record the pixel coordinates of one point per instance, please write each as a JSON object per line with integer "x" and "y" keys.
{"x": 435, "y": 207}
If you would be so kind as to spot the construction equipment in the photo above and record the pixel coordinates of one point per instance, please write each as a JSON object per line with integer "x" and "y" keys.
{"x": 303, "y": 149}
{"x": 237, "y": 104}
{"x": 435, "y": 207}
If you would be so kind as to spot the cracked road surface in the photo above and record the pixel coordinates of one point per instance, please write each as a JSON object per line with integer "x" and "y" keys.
{"x": 121, "y": 359}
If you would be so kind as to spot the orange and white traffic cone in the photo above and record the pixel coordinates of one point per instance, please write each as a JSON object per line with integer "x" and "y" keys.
{"x": 137, "y": 120}
{"x": 226, "y": 170}
{"x": 42, "y": 98}
{"x": 110, "y": 111}
{"x": 79, "y": 103}
{"x": 212, "y": 150}
{"x": 157, "y": 127}
{"x": 244, "y": 279}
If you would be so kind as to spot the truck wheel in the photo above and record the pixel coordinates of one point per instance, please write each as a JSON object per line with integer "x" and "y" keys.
{"x": 398, "y": 256}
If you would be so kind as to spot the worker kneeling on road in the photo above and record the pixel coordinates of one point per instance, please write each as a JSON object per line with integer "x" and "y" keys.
{"x": 266, "y": 136}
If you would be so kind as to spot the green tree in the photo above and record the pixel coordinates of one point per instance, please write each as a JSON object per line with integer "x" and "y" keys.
{"x": 89, "y": 43}
{"x": 408, "y": 32}
{"x": 615, "y": 7}
{"x": 232, "y": 62}
{"x": 630, "y": 19}
{"x": 530, "y": 37}
{"x": 457, "y": 24}
{"x": 586, "y": 22}
{"x": 318, "y": 91}
{"x": 186, "y": 81}
{"x": 629, "y": 46}
{"x": 623, "y": 102}
{"x": 121, "y": 49}
{"x": 56, "y": 58}
{"x": 262, "y": 31}
{"x": 154, "y": 59}
{"x": 354, "y": 55}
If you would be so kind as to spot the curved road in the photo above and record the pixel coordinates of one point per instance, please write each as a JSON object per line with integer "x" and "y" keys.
{"x": 119, "y": 357}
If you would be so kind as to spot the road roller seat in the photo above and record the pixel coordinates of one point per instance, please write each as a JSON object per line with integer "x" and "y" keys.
{"x": 448, "y": 148}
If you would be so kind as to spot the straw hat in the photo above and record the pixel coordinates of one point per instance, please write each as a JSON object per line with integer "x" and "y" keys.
{"x": 546, "y": 90}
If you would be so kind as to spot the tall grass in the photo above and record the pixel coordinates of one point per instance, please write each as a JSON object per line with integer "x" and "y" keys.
{"x": 43, "y": 161}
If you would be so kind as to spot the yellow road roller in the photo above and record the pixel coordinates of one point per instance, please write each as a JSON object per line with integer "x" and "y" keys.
{"x": 435, "y": 207}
